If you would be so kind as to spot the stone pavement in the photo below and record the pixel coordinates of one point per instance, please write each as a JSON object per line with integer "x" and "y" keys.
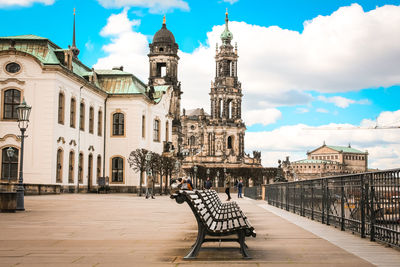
{"x": 125, "y": 230}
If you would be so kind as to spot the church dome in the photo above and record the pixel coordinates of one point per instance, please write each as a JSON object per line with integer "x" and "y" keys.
{"x": 164, "y": 35}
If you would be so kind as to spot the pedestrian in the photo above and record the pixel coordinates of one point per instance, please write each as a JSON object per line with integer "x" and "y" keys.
{"x": 189, "y": 184}
{"x": 150, "y": 184}
{"x": 208, "y": 183}
{"x": 227, "y": 187}
{"x": 240, "y": 187}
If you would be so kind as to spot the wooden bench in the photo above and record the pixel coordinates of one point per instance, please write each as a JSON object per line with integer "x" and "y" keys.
{"x": 215, "y": 219}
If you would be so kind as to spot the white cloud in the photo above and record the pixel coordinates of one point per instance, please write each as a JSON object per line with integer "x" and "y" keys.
{"x": 346, "y": 51}
{"x": 127, "y": 48}
{"x": 155, "y": 6}
{"x": 24, "y": 3}
{"x": 302, "y": 110}
{"x": 263, "y": 116}
{"x": 322, "y": 110}
{"x": 383, "y": 145}
{"x": 343, "y": 102}
{"x": 230, "y": 1}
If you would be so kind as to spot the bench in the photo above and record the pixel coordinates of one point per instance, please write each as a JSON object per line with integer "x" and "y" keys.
{"x": 215, "y": 219}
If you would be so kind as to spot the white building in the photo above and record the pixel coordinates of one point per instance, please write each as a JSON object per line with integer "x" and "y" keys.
{"x": 84, "y": 122}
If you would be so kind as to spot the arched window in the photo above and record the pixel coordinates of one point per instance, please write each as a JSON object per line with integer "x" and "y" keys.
{"x": 220, "y": 108}
{"x": 156, "y": 131}
{"x": 11, "y": 99}
{"x": 230, "y": 142}
{"x": 90, "y": 170}
{"x": 117, "y": 171}
{"x": 80, "y": 168}
{"x": 143, "y": 126}
{"x": 59, "y": 165}
{"x": 118, "y": 124}
{"x": 91, "y": 119}
{"x": 61, "y": 108}
{"x": 71, "y": 167}
{"x": 72, "y": 112}
{"x": 9, "y": 166}
{"x": 166, "y": 131}
{"x": 192, "y": 141}
{"x": 98, "y": 167}
{"x": 99, "y": 122}
{"x": 82, "y": 116}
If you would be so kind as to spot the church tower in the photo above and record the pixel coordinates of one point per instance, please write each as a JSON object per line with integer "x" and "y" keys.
{"x": 163, "y": 61}
{"x": 226, "y": 93}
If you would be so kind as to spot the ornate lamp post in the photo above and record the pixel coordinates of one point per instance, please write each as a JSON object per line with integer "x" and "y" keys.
{"x": 195, "y": 175}
{"x": 23, "y": 112}
{"x": 10, "y": 154}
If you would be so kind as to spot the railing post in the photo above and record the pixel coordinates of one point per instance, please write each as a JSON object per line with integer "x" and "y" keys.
{"x": 294, "y": 199}
{"x": 287, "y": 197}
{"x": 323, "y": 202}
{"x": 281, "y": 190}
{"x": 301, "y": 199}
{"x": 328, "y": 202}
{"x": 372, "y": 213}
{"x": 362, "y": 204}
{"x": 342, "y": 205}
{"x": 312, "y": 202}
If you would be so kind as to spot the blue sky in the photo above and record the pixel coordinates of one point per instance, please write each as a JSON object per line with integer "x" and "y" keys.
{"x": 355, "y": 84}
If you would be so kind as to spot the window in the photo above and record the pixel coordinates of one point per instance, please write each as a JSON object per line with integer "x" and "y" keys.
{"x": 98, "y": 167}
{"x": 90, "y": 170}
{"x": 82, "y": 116}
{"x": 117, "y": 174}
{"x": 59, "y": 165}
{"x": 61, "y": 105}
{"x": 9, "y": 167}
{"x": 11, "y": 99}
{"x": 230, "y": 142}
{"x": 161, "y": 69}
{"x": 99, "y": 122}
{"x": 143, "y": 126}
{"x": 71, "y": 167}
{"x": 192, "y": 141}
{"x": 91, "y": 119}
{"x": 13, "y": 67}
{"x": 118, "y": 124}
{"x": 72, "y": 113}
{"x": 336, "y": 157}
{"x": 80, "y": 168}
{"x": 156, "y": 131}
{"x": 166, "y": 131}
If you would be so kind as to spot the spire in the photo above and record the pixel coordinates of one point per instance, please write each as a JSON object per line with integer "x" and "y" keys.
{"x": 226, "y": 35}
{"x": 164, "y": 23}
{"x": 73, "y": 48}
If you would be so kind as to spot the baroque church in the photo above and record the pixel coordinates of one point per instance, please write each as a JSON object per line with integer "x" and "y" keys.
{"x": 85, "y": 122}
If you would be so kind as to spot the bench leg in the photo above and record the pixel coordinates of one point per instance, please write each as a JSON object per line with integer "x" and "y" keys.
{"x": 199, "y": 241}
{"x": 243, "y": 246}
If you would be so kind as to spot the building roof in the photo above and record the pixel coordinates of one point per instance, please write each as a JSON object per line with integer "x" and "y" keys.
{"x": 164, "y": 36}
{"x": 346, "y": 149}
{"x": 121, "y": 84}
{"x": 315, "y": 161}
{"x": 196, "y": 112}
{"x": 23, "y": 37}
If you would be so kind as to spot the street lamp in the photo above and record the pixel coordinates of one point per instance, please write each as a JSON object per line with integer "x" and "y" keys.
{"x": 23, "y": 112}
{"x": 195, "y": 175}
{"x": 10, "y": 154}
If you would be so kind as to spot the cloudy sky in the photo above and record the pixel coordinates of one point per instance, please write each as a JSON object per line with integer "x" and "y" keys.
{"x": 311, "y": 70}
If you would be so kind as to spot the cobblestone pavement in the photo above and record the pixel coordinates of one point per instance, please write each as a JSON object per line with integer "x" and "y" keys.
{"x": 125, "y": 230}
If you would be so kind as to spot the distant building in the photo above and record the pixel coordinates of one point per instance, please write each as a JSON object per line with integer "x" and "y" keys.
{"x": 326, "y": 161}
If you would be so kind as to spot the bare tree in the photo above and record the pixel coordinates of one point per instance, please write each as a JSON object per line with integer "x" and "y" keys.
{"x": 155, "y": 166}
{"x": 137, "y": 161}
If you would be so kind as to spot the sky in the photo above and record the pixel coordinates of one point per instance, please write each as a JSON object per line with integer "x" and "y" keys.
{"x": 311, "y": 71}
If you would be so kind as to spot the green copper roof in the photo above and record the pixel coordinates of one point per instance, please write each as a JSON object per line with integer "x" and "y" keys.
{"x": 121, "y": 84}
{"x": 226, "y": 35}
{"x": 346, "y": 149}
{"x": 23, "y": 37}
{"x": 315, "y": 161}
{"x": 159, "y": 91}
{"x": 112, "y": 72}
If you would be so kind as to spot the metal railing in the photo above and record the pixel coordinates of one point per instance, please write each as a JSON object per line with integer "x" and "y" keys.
{"x": 364, "y": 203}
{"x": 253, "y": 192}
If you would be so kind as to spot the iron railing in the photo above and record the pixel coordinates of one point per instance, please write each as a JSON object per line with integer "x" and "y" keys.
{"x": 364, "y": 203}
{"x": 253, "y": 192}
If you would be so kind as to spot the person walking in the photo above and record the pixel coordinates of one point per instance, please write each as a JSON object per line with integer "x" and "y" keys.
{"x": 150, "y": 186}
{"x": 240, "y": 187}
{"x": 208, "y": 183}
{"x": 227, "y": 187}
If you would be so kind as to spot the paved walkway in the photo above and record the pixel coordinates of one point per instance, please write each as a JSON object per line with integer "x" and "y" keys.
{"x": 125, "y": 230}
